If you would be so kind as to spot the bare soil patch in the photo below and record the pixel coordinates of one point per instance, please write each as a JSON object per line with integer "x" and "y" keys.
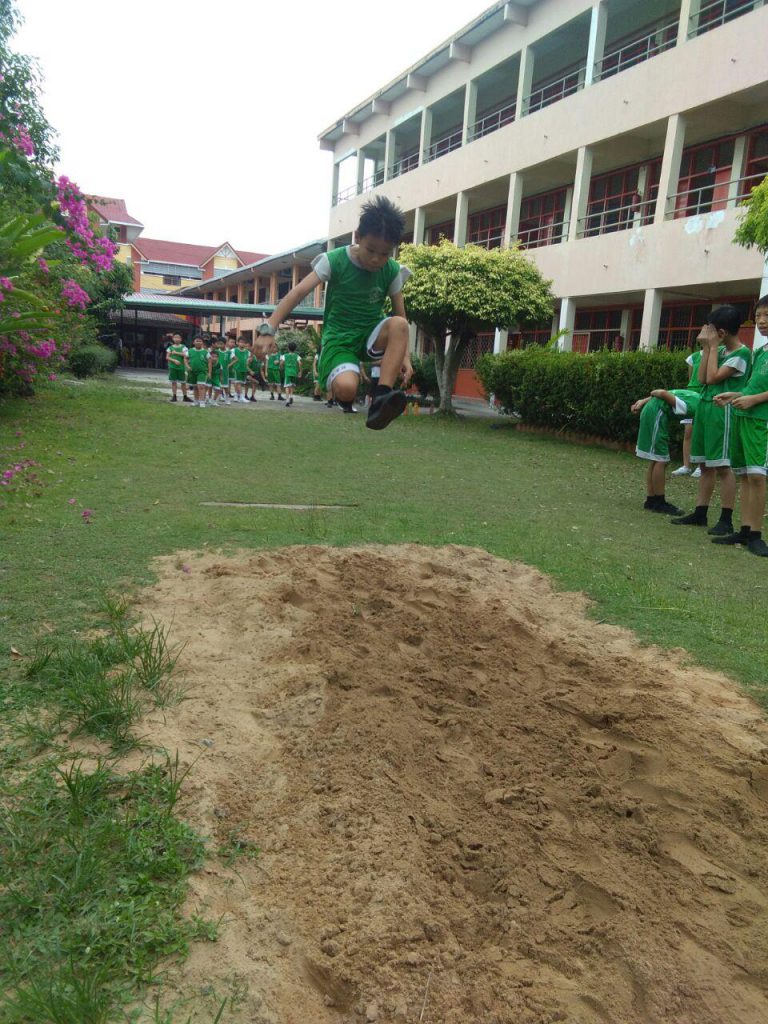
{"x": 473, "y": 803}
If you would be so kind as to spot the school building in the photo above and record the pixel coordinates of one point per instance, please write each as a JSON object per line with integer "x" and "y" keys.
{"x": 611, "y": 139}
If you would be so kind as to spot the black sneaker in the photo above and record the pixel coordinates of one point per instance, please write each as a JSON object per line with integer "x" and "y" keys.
{"x": 386, "y": 408}
{"x": 174, "y": 399}
{"x": 757, "y": 546}
{"x": 721, "y": 529}
{"x": 666, "y": 509}
{"x": 348, "y": 408}
{"x": 186, "y": 398}
{"x": 330, "y": 403}
{"x": 280, "y": 398}
{"x": 690, "y": 520}
{"x": 251, "y": 399}
{"x": 731, "y": 539}
{"x": 271, "y": 396}
{"x": 317, "y": 398}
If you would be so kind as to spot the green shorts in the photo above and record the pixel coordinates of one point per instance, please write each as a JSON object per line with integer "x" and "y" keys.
{"x": 653, "y": 431}
{"x": 290, "y": 381}
{"x": 241, "y": 376}
{"x": 273, "y": 377}
{"x": 338, "y": 357}
{"x": 749, "y": 446}
{"x": 215, "y": 378}
{"x": 177, "y": 373}
{"x": 197, "y": 377}
{"x": 711, "y": 438}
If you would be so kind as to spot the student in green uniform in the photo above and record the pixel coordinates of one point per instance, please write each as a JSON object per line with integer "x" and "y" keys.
{"x": 290, "y": 364}
{"x": 176, "y": 355}
{"x": 242, "y": 354}
{"x": 653, "y": 440}
{"x": 749, "y": 448}
{"x": 360, "y": 278}
{"x": 317, "y": 391}
{"x": 255, "y": 377}
{"x": 686, "y": 469}
{"x": 274, "y": 380}
{"x": 214, "y": 373}
{"x": 197, "y": 369}
{"x": 223, "y": 359}
{"x": 231, "y": 342}
{"x": 725, "y": 365}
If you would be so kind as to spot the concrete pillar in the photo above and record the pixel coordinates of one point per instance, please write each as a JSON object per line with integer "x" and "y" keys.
{"x": 425, "y": 136}
{"x": 360, "y": 170}
{"x": 649, "y": 329}
{"x": 596, "y": 47}
{"x": 295, "y": 275}
{"x": 462, "y": 218}
{"x": 470, "y": 110}
{"x": 580, "y": 190}
{"x": 500, "y": 340}
{"x": 642, "y": 182}
{"x": 389, "y": 154}
{"x": 413, "y": 335}
{"x": 566, "y": 322}
{"x": 738, "y": 168}
{"x": 273, "y": 288}
{"x": 334, "y": 183}
{"x": 759, "y": 339}
{"x": 626, "y": 320}
{"x": 524, "y": 81}
{"x": 670, "y": 165}
{"x": 567, "y": 211}
{"x": 514, "y": 202}
{"x": 419, "y": 224}
{"x": 689, "y": 19}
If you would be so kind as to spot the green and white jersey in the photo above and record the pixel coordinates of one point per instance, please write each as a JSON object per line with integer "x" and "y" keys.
{"x": 741, "y": 360}
{"x": 242, "y": 355}
{"x": 686, "y": 401}
{"x": 176, "y": 355}
{"x": 354, "y": 298}
{"x": 198, "y": 360}
{"x": 254, "y": 365}
{"x": 273, "y": 363}
{"x": 693, "y": 360}
{"x": 756, "y": 385}
{"x": 291, "y": 362}
{"x": 224, "y": 358}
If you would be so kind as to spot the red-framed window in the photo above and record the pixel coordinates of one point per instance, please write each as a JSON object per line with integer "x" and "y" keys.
{"x": 756, "y": 167}
{"x": 616, "y": 202}
{"x": 438, "y": 231}
{"x": 705, "y": 172}
{"x": 681, "y": 322}
{"x": 601, "y": 326}
{"x": 542, "y": 219}
{"x": 477, "y": 347}
{"x": 714, "y": 13}
{"x": 487, "y": 227}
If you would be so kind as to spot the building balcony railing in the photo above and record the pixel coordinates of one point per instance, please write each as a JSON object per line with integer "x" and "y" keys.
{"x": 373, "y": 181}
{"x": 492, "y": 121}
{"x": 544, "y": 234}
{"x": 445, "y": 145}
{"x": 555, "y": 89}
{"x": 720, "y": 195}
{"x": 618, "y": 218}
{"x": 714, "y": 13}
{"x": 407, "y": 162}
{"x": 344, "y": 194}
{"x": 639, "y": 47}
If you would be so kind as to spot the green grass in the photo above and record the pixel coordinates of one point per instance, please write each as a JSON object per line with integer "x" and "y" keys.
{"x": 92, "y": 863}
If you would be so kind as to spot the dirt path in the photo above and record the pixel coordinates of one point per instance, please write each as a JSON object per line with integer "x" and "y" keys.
{"x": 473, "y": 803}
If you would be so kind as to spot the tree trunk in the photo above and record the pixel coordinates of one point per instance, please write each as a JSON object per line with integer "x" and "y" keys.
{"x": 447, "y": 375}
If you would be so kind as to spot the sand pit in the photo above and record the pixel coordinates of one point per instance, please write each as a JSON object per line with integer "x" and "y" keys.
{"x": 474, "y": 804}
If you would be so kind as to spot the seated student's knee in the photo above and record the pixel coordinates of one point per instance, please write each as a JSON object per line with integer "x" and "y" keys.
{"x": 345, "y": 387}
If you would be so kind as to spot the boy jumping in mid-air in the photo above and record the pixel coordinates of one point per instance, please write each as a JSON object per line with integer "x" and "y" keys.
{"x": 725, "y": 363}
{"x": 653, "y": 440}
{"x": 290, "y": 362}
{"x": 359, "y": 279}
{"x": 749, "y": 447}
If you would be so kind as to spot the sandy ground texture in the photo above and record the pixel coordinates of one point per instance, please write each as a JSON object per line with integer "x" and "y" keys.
{"x": 473, "y": 803}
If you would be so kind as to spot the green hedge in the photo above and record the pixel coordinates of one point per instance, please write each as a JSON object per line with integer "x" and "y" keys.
{"x": 88, "y": 360}
{"x": 588, "y": 394}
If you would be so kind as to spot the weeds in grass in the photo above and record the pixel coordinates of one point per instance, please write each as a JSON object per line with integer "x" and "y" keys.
{"x": 237, "y": 846}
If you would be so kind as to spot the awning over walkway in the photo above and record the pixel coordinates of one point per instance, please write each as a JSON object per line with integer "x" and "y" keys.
{"x": 207, "y": 307}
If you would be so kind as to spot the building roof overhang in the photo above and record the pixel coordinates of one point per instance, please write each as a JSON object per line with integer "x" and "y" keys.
{"x": 267, "y": 265}
{"x": 187, "y": 306}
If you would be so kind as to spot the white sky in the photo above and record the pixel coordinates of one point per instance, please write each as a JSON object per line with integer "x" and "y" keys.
{"x": 204, "y": 115}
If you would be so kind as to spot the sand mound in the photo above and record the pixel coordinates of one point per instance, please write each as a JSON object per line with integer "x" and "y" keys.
{"x": 473, "y": 803}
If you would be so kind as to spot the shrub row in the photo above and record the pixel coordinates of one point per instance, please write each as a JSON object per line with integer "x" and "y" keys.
{"x": 89, "y": 360}
{"x": 589, "y": 394}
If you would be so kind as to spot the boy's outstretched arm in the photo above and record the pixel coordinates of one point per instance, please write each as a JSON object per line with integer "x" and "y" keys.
{"x": 293, "y": 298}
{"x": 638, "y": 405}
{"x": 665, "y": 396}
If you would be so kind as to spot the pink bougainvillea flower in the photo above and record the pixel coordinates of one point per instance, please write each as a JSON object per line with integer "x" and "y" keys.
{"x": 71, "y": 501}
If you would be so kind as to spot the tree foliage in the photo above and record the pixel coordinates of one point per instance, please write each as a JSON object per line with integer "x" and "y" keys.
{"x": 463, "y": 291}
{"x": 753, "y": 229}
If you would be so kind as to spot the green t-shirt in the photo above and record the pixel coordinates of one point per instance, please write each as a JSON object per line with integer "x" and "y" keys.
{"x": 254, "y": 365}
{"x": 224, "y": 358}
{"x": 354, "y": 298}
{"x": 198, "y": 360}
{"x": 693, "y": 361}
{"x": 741, "y": 360}
{"x": 291, "y": 364}
{"x": 273, "y": 362}
{"x": 242, "y": 355}
{"x": 176, "y": 355}
{"x": 757, "y": 383}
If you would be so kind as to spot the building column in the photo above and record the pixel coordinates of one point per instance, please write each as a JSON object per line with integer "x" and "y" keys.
{"x": 670, "y": 165}
{"x": 524, "y": 81}
{"x": 413, "y": 338}
{"x": 566, "y": 322}
{"x": 514, "y": 202}
{"x": 273, "y": 288}
{"x": 642, "y": 184}
{"x": 649, "y": 329}
{"x": 596, "y": 47}
{"x": 689, "y": 19}
{"x": 580, "y": 190}
{"x": 389, "y": 152}
{"x": 295, "y": 275}
{"x": 470, "y": 110}
{"x": 425, "y": 135}
{"x": 624, "y": 326}
{"x": 334, "y": 183}
{"x": 360, "y": 171}
{"x": 462, "y": 217}
{"x": 738, "y": 167}
{"x": 500, "y": 340}
{"x": 419, "y": 225}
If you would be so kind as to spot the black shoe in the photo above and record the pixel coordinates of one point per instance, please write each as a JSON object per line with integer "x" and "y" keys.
{"x": 732, "y": 539}
{"x": 721, "y": 529}
{"x": 386, "y": 408}
{"x": 348, "y": 408}
{"x": 280, "y": 398}
{"x": 272, "y": 396}
{"x": 317, "y": 398}
{"x": 690, "y": 520}
{"x": 251, "y": 399}
{"x": 186, "y": 398}
{"x": 174, "y": 399}
{"x": 666, "y": 509}
{"x": 330, "y": 403}
{"x": 757, "y": 546}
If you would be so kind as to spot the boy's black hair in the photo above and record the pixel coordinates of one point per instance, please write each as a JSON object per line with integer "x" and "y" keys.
{"x": 762, "y": 303}
{"x": 725, "y": 318}
{"x": 380, "y": 217}
{"x": 291, "y": 346}
{"x": 198, "y": 337}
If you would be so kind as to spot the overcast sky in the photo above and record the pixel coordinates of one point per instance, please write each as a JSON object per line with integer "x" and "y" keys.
{"x": 204, "y": 115}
